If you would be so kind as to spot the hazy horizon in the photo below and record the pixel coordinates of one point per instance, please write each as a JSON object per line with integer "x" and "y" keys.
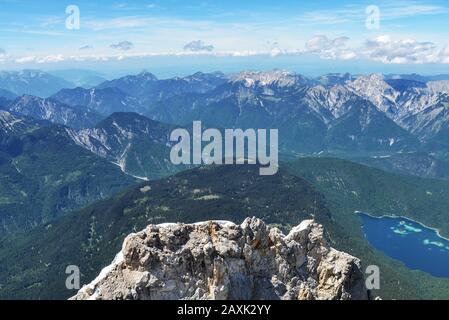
{"x": 177, "y": 38}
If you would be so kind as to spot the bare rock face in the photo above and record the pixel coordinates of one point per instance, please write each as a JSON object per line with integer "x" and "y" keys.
{"x": 222, "y": 260}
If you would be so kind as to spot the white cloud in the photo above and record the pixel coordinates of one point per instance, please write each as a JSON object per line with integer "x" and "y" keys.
{"x": 122, "y": 45}
{"x": 56, "y": 58}
{"x": 40, "y": 60}
{"x": 402, "y": 51}
{"x": 381, "y": 49}
{"x": 26, "y": 59}
{"x": 275, "y": 49}
{"x": 198, "y": 45}
{"x": 330, "y": 48}
{"x": 51, "y": 59}
{"x": 321, "y": 43}
{"x": 384, "y": 49}
{"x": 445, "y": 55}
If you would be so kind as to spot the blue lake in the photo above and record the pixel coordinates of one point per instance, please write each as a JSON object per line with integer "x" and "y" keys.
{"x": 415, "y": 245}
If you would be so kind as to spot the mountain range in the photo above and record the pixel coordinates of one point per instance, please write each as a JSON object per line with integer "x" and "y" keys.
{"x": 309, "y": 114}
{"x": 335, "y": 112}
{"x": 148, "y": 88}
{"x": 83, "y": 166}
{"x": 340, "y": 114}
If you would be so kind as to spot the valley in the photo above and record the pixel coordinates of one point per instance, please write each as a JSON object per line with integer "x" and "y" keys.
{"x": 45, "y": 174}
{"x": 327, "y": 190}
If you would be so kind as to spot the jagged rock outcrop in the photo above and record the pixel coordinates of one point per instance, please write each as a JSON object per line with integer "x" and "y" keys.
{"x": 222, "y": 260}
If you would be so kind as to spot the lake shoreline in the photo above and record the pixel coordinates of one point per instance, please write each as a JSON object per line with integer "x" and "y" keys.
{"x": 437, "y": 231}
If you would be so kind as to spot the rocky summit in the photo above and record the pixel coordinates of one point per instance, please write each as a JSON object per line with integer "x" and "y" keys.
{"x": 221, "y": 260}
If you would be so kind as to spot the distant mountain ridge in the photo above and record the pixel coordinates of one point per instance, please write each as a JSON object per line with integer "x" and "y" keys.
{"x": 304, "y": 111}
{"x": 32, "y": 82}
{"x": 333, "y": 112}
{"x": 80, "y": 77}
{"x": 102, "y": 101}
{"x": 147, "y": 88}
{"x": 54, "y": 111}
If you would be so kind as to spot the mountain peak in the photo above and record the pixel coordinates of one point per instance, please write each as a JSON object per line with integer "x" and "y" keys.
{"x": 281, "y": 78}
{"x": 24, "y": 100}
{"x": 377, "y": 90}
{"x": 373, "y": 76}
{"x": 146, "y": 75}
{"x": 201, "y": 76}
{"x": 370, "y": 80}
{"x": 251, "y": 261}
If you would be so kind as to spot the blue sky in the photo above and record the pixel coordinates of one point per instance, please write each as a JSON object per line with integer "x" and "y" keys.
{"x": 178, "y": 37}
